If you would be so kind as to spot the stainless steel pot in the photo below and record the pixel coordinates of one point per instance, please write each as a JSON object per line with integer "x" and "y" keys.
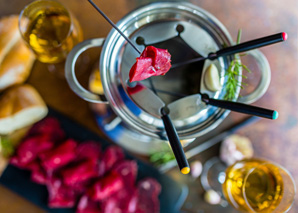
{"x": 127, "y": 123}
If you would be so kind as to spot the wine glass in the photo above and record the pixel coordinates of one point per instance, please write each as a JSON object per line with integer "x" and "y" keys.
{"x": 50, "y": 31}
{"x": 256, "y": 185}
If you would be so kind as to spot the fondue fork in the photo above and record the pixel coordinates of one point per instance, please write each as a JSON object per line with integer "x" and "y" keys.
{"x": 158, "y": 105}
{"x": 193, "y": 103}
{"x": 240, "y": 107}
{"x": 238, "y": 48}
{"x": 154, "y": 105}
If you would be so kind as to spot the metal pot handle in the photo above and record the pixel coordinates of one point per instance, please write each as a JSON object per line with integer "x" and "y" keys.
{"x": 263, "y": 85}
{"x": 70, "y": 70}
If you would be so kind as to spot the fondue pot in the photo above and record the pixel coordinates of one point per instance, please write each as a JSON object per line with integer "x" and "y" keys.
{"x": 187, "y": 31}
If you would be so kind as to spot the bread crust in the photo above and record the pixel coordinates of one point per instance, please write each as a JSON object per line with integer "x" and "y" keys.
{"x": 20, "y": 106}
{"x": 16, "y": 66}
{"x": 16, "y": 59}
{"x": 9, "y": 34}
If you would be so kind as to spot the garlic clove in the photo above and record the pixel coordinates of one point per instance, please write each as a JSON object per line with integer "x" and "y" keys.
{"x": 196, "y": 169}
{"x": 211, "y": 78}
{"x": 212, "y": 197}
{"x": 235, "y": 148}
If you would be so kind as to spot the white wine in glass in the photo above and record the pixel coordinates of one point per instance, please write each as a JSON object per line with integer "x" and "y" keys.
{"x": 259, "y": 186}
{"x": 49, "y": 30}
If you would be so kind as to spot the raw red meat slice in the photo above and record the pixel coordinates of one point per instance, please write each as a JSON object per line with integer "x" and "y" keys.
{"x": 148, "y": 191}
{"x": 14, "y": 160}
{"x": 128, "y": 171}
{"x": 152, "y": 62}
{"x": 81, "y": 187}
{"x": 38, "y": 174}
{"x": 111, "y": 205}
{"x": 123, "y": 200}
{"x": 111, "y": 156}
{"x": 86, "y": 205}
{"x": 81, "y": 171}
{"x": 31, "y": 147}
{"x": 49, "y": 126}
{"x": 89, "y": 150}
{"x": 60, "y": 196}
{"x": 126, "y": 203}
{"x": 133, "y": 202}
{"x": 60, "y": 156}
{"x": 161, "y": 58}
{"x": 106, "y": 186}
{"x": 141, "y": 70}
{"x": 149, "y": 185}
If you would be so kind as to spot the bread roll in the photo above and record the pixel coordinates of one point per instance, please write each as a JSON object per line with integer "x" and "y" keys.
{"x": 16, "y": 66}
{"x": 16, "y": 59}
{"x": 20, "y": 106}
{"x": 9, "y": 34}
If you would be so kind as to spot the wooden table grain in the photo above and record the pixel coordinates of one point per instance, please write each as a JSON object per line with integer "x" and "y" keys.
{"x": 275, "y": 140}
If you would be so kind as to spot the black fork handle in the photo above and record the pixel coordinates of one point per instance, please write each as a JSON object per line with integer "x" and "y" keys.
{"x": 240, "y": 107}
{"x": 175, "y": 143}
{"x": 249, "y": 45}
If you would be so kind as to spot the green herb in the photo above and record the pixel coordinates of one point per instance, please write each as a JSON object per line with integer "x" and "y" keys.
{"x": 6, "y": 148}
{"x": 164, "y": 155}
{"x": 232, "y": 74}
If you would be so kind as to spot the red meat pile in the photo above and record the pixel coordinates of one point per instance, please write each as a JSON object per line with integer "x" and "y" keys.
{"x": 81, "y": 175}
{"x": 152, "y": 62}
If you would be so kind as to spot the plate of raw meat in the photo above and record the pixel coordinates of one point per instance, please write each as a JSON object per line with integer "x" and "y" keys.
{"x": 62, "y": 167}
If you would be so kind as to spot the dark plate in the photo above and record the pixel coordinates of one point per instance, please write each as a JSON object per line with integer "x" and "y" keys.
{"x": 172, "y": 196}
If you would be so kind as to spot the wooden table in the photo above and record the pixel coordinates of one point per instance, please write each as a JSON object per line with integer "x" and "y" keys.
{"x": 275, "y": 140}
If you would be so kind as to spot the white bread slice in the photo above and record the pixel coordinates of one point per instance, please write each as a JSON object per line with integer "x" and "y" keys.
{"x": 20, "y": 106}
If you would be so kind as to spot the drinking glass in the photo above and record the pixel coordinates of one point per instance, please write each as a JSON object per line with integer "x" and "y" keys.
{"x": 256, "y": 185}
{"x": 49, "y": 30}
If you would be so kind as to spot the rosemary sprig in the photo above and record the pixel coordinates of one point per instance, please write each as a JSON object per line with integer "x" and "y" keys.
{"x": 232, "y": 74}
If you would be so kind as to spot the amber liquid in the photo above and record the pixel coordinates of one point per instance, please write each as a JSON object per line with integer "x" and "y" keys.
{"x": 253, "y": 186}
{"x": 52, "y": 33}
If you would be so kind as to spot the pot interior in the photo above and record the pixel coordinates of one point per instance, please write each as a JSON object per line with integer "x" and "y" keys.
{"x": 187, "y": 32}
